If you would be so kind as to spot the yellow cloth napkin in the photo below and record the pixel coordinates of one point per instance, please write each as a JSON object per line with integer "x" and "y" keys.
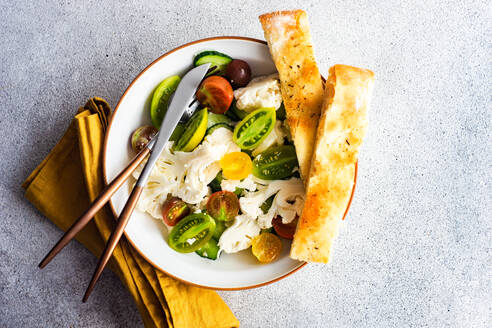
{"x": 63, "y": 185}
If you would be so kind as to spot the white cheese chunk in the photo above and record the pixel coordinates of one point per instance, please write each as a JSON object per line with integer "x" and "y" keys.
{"x": 263, "y": 91}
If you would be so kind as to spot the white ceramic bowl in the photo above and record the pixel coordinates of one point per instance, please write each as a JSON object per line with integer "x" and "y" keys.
{"x": 148, "y": 235}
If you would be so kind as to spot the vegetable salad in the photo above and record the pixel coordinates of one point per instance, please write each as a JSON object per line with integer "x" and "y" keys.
{"x": 228, "y": 178}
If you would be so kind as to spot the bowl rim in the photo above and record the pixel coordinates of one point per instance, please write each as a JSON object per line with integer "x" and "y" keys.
{"x": 105, "y": 177}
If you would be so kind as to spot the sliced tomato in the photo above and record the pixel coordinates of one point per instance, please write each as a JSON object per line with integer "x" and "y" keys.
{"x": 236, "y": 165}
{"x": 173, "y": 210}
{"x": 275, "y": 163}
{"x": 254, "y": 128}
{"x": 215, "y": 92}
{"x": 223, "y": 205}
{"x": 266, "y": 247}
{"x": 284, "y": 230}
{"x": 192, "y": 233}
{"x": 142, "y": 136}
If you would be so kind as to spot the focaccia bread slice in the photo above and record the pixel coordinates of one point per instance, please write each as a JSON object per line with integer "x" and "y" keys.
{"x": 340, "y": 132}
{"x": 289, "y": 41}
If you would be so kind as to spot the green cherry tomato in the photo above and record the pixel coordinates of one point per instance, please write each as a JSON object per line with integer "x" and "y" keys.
{"x": 254, "y": 128}
{"x": 194, "y": 131}
{"x": 275, "y": 163}
{"x": 192, "y": 233}
{"x": 223, "y": 205}
{"x": 178, "y": 131}
{"x": 160, "y": 99}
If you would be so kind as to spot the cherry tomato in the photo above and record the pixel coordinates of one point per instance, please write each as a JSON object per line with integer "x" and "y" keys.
{"x": 275, "y": 163}
{"x": 284, "y": 230}
{"x": 236, "y": 165}
{"x": 223, "y": 205}
{"x": 173, "y": 210}
{"x": 238, "y": 72}
{"x": 266, "y": 247}
{"x": 141, "y": 137}
{"x": 254, "y": 128}
{"x": 216, "y": 93}
{"x": 192, "y": 233}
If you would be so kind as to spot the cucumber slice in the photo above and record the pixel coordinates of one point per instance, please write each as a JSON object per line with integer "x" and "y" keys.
{"x": 160, "y": 99}
{"x": 217, "y": 126}
{"x": 194, "y": 131}
{"x": 217, "y": 118}
{"x": 241, "y": 114}
{"x": 254, "y": 128}
{"x": 230, "y": 114}
{"x": 216, "y": 58}
{"x": 210, "y": 250}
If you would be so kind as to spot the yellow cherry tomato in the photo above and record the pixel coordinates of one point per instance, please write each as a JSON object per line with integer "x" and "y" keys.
{"x": 266, "y": 247}
{"x": 236, "y": 165}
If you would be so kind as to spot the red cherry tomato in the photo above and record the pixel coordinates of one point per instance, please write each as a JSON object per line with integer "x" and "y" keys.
{"x": 216, "y": 93}
{"x": 284, "y": 230}
{"x": 173, "y": 210}
{"x": 223, "y": 205}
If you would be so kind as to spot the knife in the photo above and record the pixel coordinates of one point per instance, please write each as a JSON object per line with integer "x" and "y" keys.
{"x": 183, "y": 98}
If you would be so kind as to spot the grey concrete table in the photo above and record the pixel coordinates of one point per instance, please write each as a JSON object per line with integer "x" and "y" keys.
{"x": 415, "y": 250}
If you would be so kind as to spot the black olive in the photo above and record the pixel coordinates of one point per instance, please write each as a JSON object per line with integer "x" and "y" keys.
{"x": 239, "y": 73}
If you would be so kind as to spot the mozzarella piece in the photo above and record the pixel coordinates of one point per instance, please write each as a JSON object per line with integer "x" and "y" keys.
{"x": 276, "y": 137}
{"x": 238, "y": 236}
{"x": 263, "y": 91}
{"x": 185, "y": 174}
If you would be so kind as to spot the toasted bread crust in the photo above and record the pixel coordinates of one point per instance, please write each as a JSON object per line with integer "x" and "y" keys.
{"x": 289, "y": 41}
{"x": 340, "y": 132}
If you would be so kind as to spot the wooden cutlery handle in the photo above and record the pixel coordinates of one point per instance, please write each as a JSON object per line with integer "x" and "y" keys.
{"x": 98, "y": 203}
{"x": 115, "y": 237}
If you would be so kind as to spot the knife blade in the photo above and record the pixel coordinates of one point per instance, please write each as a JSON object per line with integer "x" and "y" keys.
{"x": 182, "y": 98}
